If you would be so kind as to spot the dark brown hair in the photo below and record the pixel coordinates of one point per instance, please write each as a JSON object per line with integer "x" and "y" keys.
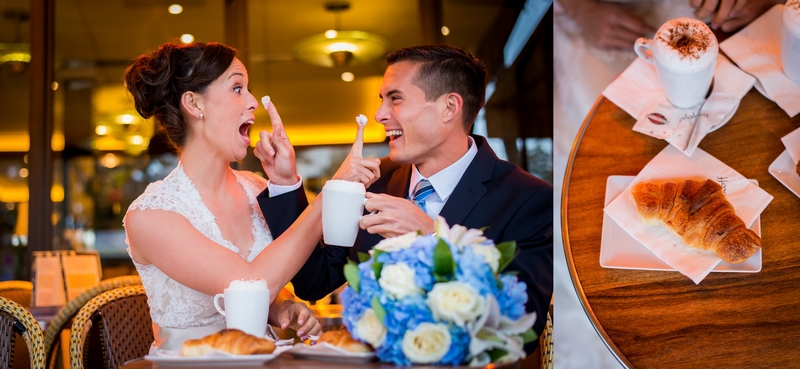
{"x": 445, "y": 69}
{"x": 158, "y": 79}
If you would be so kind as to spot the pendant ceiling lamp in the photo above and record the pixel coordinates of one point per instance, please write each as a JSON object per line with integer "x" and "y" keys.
{"x": 336, "y": 48}
{"x": 15, "y": 56}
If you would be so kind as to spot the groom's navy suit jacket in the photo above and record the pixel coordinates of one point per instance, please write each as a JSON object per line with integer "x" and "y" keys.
{"x": 512, "y": 204}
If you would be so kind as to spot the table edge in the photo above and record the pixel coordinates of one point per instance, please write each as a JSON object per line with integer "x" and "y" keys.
{"x": 568, "y": 250}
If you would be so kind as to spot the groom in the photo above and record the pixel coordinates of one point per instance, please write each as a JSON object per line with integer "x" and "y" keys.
{"x": 430, "y": 97}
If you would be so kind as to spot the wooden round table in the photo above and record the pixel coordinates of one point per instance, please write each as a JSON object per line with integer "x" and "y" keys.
{"x": 656, "y": 319}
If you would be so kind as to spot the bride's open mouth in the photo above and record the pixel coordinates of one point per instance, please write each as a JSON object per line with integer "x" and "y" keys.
{"x": 243, "y": 130}
{"x": 394, "y": 134}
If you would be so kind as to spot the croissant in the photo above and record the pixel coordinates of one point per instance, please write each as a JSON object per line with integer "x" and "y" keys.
{"x": 342, "y": 339}
{"x": 232, "y": 341}
{"x": 699, "y": 213}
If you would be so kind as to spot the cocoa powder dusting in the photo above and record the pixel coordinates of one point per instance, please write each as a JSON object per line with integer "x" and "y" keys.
{"x": 688, "y": 41}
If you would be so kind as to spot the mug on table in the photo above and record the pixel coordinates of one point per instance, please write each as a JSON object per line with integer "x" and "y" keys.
{"x": 246, "y": 306}
{"x": 790, "y": 40}
{"x": 684, "y": 52}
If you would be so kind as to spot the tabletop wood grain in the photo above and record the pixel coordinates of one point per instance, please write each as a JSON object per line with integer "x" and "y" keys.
{"x": 655, "y": 319}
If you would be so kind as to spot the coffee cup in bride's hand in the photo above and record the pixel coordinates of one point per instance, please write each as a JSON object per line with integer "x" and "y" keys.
{"x": 245, "y": 305}
{"x": 342, "y": 208}
{"x": 684, "y": 52}
{"x": 790, "y": 40}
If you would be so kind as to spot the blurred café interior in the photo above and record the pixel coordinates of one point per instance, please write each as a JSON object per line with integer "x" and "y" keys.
{"x": 74, "y": 153}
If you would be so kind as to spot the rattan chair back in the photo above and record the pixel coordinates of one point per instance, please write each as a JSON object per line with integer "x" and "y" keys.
{"x": 546, "y": 344}
{"x": 110, "y": 329}
{"x": 21, "y": 339}
{"x": 63, "y": 319}
{"x": 20, "y": 292}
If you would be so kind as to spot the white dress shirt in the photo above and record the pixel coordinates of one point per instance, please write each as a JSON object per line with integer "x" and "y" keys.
{"x": 443, "y": 182}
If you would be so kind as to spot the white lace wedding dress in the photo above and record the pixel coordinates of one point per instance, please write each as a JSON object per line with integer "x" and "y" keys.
{"x": 179, "y": 312}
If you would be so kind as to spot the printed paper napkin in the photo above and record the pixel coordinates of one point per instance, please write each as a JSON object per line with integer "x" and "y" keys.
{"x": 792, "y": 144}
{"x": 757, "y": 50}
{"x": 672, "y": 165}
{"x": 638, "y": 92}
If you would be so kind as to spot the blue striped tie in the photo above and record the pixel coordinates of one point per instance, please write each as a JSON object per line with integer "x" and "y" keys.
{"x": 423, "y": 189}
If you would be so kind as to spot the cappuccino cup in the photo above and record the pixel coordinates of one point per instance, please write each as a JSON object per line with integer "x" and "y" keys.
{"x": 342, "y": 208}
{"x": 684, "y": 52}
{"x": 246, "y": 306}
{"x": 790, "y": 40}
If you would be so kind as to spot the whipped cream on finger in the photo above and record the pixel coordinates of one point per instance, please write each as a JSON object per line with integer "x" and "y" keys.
{"x": 265, "y": 101}
{"x": 361, "y": 119}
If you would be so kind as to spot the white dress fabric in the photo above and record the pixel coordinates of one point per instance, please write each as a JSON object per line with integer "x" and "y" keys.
{"x": 173, "y": 305}
{"x": 581, "y": 73}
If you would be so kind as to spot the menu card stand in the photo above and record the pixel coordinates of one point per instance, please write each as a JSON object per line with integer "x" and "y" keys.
{"x": 60, "y": 276}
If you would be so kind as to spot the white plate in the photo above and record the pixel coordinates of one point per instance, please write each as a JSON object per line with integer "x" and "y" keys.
{"x": 784, "y": 170}
{"x": 618, "y": 250}
{"x": 326, "y": 351}
{"x": 215, "y": 360}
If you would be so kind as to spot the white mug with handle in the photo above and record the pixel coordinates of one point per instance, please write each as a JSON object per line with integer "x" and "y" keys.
{"x": 246, "y": 306}
{"x": 342, "y": 208}
{"x": 684, "y": 52}
{"x": 790, "y": 40}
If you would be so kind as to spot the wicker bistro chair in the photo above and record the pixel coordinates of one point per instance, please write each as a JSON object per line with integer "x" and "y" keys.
{"x": 20, "y": 292}
{"x": 56, "y": 336}
{"x": 111, "y": 329}
{"x": 21, "y": 340}
{"x": 546, "y": 344}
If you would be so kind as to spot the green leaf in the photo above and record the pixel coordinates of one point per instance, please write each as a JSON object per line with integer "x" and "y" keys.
{"x": 496, "y": 353}
{"x": 377, "y": 267}
{"x": 380, "y": 312}
{"x": 376, "y": 253}
{"x": 508, "y": 251}
{"x": 529, "y": 336}
{"x": 443, "y": 263}
{"x": 351, "y": 274}
{"x": 362, "y": 257}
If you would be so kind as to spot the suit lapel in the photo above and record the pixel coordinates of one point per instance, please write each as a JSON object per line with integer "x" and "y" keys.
{"x": 398, "y": 184}
{"x": 470, "y": 188}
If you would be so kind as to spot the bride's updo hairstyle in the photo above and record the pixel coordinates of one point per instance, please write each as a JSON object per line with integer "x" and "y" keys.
{"x": 158, "y": 79}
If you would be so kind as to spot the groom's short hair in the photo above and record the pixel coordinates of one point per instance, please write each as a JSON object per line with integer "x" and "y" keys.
{"x": 444, "y": 69}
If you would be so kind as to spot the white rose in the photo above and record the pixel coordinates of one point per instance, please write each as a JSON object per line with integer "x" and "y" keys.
{"x": 490, "y": 254}
{"x": 398, "y": 279}
{"x": 457, "y": 302}
{"x": 370, "y": 329}
{"x": 427, "y": 343}
{"x": 397, "y": 243}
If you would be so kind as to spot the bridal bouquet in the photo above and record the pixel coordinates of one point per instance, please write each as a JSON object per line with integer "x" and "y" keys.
{"x": 438, "y": 299}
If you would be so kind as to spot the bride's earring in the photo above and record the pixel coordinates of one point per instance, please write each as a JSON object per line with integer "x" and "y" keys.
{"x": 201, "y": 115}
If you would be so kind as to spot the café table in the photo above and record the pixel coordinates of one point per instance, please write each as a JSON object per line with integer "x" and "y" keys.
{"x": 661, "y": 319}
{"x": 289, "y": 362}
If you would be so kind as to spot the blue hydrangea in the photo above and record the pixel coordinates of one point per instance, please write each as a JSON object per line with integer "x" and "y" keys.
{"x": 475, "y": 271}
{"x": 513, "y": 297}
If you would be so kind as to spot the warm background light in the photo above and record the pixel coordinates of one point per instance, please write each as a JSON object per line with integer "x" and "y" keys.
{"x": 175, "y": 9}
{"x": 187, "y": 38}
{"x": 445, "y": 30}
{"x": 348, "y": 77}
{"x": 331, "y": 33}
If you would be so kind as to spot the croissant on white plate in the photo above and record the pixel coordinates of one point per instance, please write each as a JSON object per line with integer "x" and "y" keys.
{"x": 232, "y": 341}
{"x": 699, "y": 213}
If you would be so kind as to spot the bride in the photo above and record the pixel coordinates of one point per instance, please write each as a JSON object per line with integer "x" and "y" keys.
{"x": 199, "y": 228}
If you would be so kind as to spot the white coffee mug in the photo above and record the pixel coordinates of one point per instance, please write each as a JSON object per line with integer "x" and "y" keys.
{"x": 342, "y": 208}
{"x": 790, "y": 40}
{"x": 246, "y": 305}
{"x": 684, "y": 52}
